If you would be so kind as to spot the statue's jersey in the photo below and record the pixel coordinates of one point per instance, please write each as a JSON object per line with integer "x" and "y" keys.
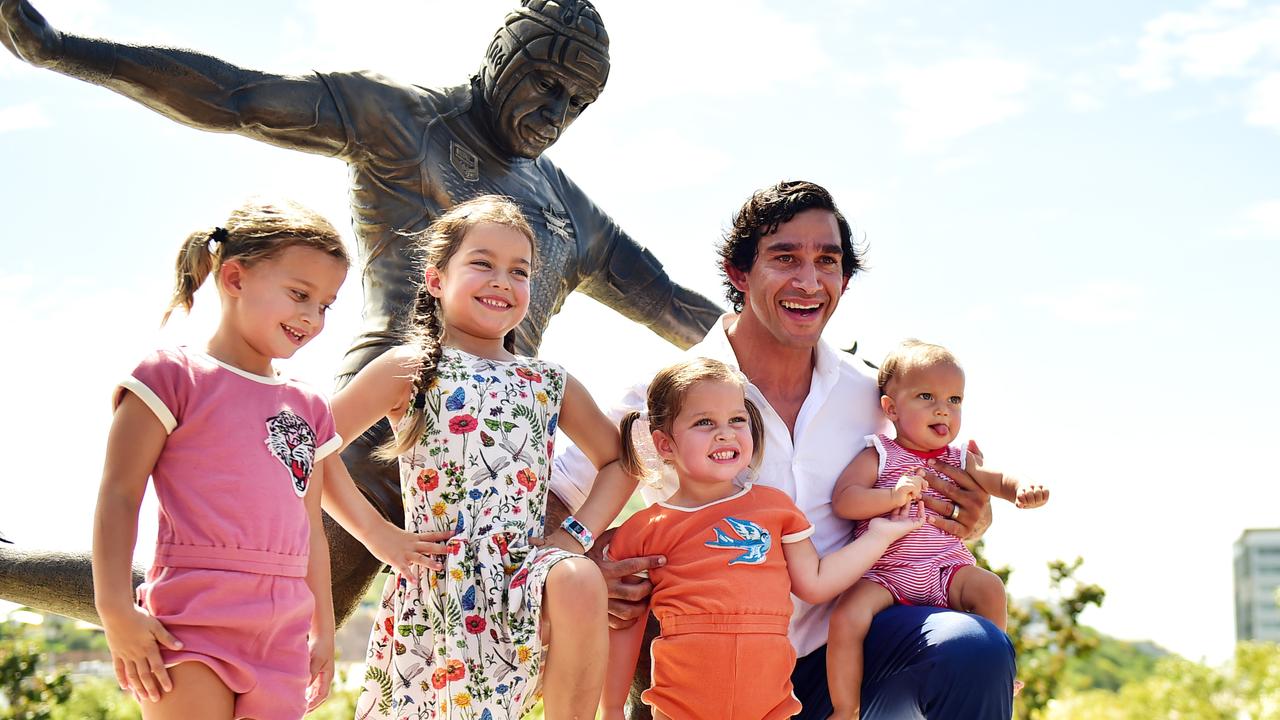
{"x": 414, "y": 152}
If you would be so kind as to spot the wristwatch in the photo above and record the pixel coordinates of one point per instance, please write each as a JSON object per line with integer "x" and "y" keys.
{"x": 579, "y": 532}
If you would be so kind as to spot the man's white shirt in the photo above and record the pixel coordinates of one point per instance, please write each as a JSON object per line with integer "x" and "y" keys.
{"x": 841, "y": 409}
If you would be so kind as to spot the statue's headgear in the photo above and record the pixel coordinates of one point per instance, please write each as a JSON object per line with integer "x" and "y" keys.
{"x": 565, "y": 33}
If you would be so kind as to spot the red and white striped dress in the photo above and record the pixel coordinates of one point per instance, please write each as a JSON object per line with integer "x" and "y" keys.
{"x": 917, "y": 568}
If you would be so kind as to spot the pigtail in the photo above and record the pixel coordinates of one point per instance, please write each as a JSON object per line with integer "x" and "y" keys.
{"x": 630, "y": 457}
{"x": 757, "y": 437}
{"x": 427, "y": 334}
{"x": 194, "y": 263}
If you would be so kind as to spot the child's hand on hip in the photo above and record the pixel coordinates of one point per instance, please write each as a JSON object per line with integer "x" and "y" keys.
{"x": 134, "y": 638}
{"x": 405, "y": 552}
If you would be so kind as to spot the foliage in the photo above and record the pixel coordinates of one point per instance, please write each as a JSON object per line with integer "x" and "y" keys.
{"x": 1247, "y": 689}
{"x": 1112, "y": 663}
{"x": 98, "y": 699}
{"x": 1046, "y": 633}
{"x": 26, "y": 691}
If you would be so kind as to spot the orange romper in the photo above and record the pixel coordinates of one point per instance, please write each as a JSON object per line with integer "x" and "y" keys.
{"x": 723, "y": 601}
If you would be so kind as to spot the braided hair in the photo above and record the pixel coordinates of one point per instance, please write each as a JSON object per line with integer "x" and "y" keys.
{"x": 424, "y": 328}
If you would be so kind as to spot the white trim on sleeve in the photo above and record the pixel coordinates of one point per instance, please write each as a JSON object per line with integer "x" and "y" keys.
{"x": 153, "y": 401}
{"x": 329, "y": 447}
{"x": 798, "y": 536}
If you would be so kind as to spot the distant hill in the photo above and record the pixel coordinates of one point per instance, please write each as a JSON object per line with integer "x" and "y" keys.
{"x": 1114, "y": 663}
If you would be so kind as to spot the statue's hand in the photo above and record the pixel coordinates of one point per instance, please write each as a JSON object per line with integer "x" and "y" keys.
{"x": 26, "y": 33}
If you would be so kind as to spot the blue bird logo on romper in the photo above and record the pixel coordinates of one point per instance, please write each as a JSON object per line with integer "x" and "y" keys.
{"x": 754, "y": 541}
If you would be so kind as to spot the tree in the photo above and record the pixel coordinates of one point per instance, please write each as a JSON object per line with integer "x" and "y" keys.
{"x": 1046, "y": 633}
{"x": 1246, "y": 689}
{"x": 26, "y": 693}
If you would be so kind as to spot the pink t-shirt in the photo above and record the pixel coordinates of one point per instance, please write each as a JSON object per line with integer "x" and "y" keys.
{"x": 236, "y": 465}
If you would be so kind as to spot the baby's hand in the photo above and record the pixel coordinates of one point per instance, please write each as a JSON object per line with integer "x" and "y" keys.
{"x": 405, "y": 551}
{"x": 898, "y": 522}
{"x": 1031, "y": 495}
{"x": 909, "y": 488}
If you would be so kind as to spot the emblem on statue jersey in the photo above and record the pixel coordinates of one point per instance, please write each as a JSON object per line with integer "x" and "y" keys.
{"x": 292, "y": 441}
{"x": 464, "y": 161}
{"x": 753, "y": 541}
{"x": 558, "y": 223}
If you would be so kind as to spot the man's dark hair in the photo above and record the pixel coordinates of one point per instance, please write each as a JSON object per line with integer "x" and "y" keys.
{"x": 761, "y": 216}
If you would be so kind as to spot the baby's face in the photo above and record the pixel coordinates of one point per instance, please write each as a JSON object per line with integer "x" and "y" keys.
{"x": 924, "y": 405}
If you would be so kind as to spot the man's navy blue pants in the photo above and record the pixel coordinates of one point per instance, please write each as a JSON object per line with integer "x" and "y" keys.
{"x": 921, "y": 662}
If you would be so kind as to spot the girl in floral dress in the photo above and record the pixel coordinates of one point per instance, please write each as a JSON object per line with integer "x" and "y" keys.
{"x": 475, "y": 426}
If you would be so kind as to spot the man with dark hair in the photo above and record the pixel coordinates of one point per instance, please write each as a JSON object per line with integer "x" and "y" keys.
{"x": 413, "y": 153}
{"x": 786, "y": 262}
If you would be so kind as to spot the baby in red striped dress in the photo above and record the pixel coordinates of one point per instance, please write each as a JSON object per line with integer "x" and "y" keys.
{"x": 921, "y": 388}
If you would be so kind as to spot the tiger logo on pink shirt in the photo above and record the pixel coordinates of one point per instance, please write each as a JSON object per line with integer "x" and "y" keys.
{"x": 292, "y": 441}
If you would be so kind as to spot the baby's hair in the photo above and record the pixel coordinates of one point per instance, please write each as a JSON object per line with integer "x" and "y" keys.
{"x": 257, "y": 230}
{"x": 424, "y": 328}
{"x": 666, "y": 398}
{"x": 911, "y": 354}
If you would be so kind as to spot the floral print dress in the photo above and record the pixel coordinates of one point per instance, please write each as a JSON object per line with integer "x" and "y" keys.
{"x": 465, "y": 642}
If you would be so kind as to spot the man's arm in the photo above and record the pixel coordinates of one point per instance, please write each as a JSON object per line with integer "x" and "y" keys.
{"x": 194, "y": 89}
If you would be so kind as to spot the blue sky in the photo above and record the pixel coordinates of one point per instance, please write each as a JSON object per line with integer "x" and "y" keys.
{"x": 1081, "y": 201}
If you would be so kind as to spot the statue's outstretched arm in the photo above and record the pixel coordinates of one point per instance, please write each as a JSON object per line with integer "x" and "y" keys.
{"x": 197, "y": 90}
{"x": 629, "y": 279}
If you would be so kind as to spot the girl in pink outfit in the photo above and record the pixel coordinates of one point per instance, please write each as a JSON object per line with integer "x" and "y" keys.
{"x": 235, "y": 618}
{"x": 922, "y": 389}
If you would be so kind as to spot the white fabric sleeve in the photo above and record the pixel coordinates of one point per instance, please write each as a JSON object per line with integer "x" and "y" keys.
{"x": 572, "y": 472}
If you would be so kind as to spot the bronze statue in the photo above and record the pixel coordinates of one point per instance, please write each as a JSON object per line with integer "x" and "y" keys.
{"x": 413, "y": 152}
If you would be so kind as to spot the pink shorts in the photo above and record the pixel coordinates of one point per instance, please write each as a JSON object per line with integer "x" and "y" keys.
{"x": 250, "y": 629}
{"x": 916, "y": 584}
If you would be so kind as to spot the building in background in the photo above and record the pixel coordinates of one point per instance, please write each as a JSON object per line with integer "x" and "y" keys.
{"x": 1257, "y": 574}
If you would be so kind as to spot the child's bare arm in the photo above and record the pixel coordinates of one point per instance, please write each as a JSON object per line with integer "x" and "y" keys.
{"x": 399, "y": 548}
{"x": 598, "y": 438}
{"x": 817, "y": 580}
{"x": 320, "y": 641}
{"x": 624, "y": 651}
{"x": 854, "y": 498}
{"x": 1021, "y": 493}
{"x": 133, "y": 636}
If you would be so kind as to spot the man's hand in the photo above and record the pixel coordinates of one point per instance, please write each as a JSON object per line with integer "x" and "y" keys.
{"x": 966, "y": 513}
{"x": 26, "y": 33}
{"x": 628, "y": 592}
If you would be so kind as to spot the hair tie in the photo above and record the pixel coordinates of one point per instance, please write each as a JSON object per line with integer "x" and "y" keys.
{"x": 217, "y": 237}
{"x": 420, "y": 401}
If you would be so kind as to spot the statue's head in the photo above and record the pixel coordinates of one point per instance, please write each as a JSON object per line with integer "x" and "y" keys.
{"x": 546, "y": 64}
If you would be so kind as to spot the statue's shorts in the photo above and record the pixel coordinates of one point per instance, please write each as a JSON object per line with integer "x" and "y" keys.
{"x": 916, "y": 584}
{"x": 723, "y": 667}
{"x": 250, "y": 629}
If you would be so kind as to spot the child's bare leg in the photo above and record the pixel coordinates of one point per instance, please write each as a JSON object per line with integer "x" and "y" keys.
{"x": 980, "y": 592}
{"x": 198, "y": 694}
{"x": 575, "y": 607}
{"x": 849, "y": 624}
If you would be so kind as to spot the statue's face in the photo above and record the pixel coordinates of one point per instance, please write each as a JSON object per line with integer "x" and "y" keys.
{"x": 541, "y": 105}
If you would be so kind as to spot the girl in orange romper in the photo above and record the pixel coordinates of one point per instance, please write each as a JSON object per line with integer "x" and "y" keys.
{"x": 723, "y": 598}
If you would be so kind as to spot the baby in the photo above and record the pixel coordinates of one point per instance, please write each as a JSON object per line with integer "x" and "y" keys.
{"x": 921, "y": 388}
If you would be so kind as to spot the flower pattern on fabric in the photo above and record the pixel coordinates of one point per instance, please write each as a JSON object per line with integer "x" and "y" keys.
{"x": 464, "y": 642}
